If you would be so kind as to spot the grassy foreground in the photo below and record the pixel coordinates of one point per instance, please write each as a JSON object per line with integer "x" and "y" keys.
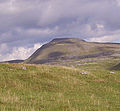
{"x": 56, "y": 88}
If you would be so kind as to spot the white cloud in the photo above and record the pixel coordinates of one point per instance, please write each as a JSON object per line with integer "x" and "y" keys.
{"x": 3, "y": 48}
{"x": 107, "y": 38}
{"x": 18, "y": 52}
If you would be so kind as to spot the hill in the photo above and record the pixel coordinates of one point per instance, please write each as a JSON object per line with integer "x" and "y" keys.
{"x": 58, "y": 88}
{"x": 13, "y": 61}
{"x": 74, "y": 51}
{"x": 116, "y": 67}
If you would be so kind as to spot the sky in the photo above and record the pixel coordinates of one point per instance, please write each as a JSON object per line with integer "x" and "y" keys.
{"x": 25, "y": 25}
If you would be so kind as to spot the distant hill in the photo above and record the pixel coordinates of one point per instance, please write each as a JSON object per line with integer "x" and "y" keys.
{"x": 72, "y": 49}
{"x": 13, "y": 61}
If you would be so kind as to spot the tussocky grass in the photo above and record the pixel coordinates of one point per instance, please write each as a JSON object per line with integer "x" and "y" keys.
{"x": 57, "y": 88}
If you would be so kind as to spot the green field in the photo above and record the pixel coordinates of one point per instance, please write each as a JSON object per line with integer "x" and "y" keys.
{"x": 58, "y": 88}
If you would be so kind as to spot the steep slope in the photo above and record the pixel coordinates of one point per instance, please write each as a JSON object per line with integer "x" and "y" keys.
{"x": 67, "y": 49}
{"x": 116, "y": 67}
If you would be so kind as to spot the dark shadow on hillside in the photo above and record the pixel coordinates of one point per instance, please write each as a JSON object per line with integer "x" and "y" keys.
{"x": 55, "y": 54}
{"x": 116, "y": 67}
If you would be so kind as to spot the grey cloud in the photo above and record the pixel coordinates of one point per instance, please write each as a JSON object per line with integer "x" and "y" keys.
{"x": 24, "y": 23}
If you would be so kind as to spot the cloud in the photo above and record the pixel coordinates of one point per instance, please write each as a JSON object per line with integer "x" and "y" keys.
{"x": 24, "y": 23}
{"x": 107, "y": 38}
{"x": 17, "y": 52}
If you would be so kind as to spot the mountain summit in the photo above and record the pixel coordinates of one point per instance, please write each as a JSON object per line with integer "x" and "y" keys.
{"x": 66, "y": 39}
{"x": 71, "y": 49}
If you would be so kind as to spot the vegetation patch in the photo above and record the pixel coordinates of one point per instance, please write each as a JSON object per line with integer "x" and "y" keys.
{"x": 57, "y": 88}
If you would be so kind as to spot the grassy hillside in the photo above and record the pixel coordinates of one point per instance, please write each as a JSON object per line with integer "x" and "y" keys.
{"x": 116, "y": 67}
{"x": 57, "y": 88}
{"x": 67, "y": 49}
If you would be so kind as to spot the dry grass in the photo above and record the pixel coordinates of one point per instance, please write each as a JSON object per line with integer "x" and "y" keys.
{"x": 56, "y": 88}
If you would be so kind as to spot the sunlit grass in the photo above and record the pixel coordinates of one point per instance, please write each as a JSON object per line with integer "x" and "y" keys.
{"x": 57, "y": 88}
